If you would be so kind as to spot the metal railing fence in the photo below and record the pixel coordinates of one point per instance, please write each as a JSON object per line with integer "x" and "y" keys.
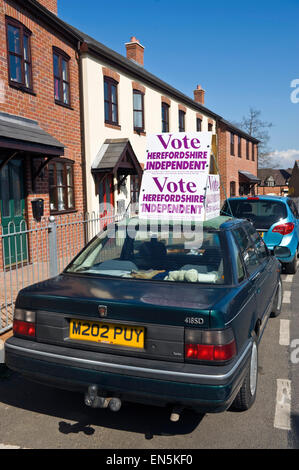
{"x": 34, "y": 252}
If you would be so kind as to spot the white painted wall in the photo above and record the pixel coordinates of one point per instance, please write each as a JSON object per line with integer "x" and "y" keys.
{"x": 96, "y": 132}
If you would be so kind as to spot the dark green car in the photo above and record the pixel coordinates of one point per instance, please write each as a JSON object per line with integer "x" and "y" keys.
{"x": 168, "y": 314}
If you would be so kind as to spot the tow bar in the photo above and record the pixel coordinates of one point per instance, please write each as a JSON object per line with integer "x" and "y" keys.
{"x": 93, "y": 400}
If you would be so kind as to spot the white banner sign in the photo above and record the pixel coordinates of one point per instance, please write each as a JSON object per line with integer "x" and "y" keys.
{"x": 175, "y": 176}
{"x": 177, "y": 152}
{"x": 212, "y": 200}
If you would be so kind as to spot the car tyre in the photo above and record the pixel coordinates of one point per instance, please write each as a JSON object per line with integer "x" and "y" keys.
{"x": 291, "y": 268}
{"x": 247, "y": 393}
{"x": 277, "y": 304}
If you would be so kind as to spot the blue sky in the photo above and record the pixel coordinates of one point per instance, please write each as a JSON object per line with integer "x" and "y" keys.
{"x": 244, "y": 54}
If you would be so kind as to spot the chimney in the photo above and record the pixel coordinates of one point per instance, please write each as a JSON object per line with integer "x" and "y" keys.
{"x": 135, "y": 51}
{"x": 199, "y": 95}
{"x": 50, "y": 5}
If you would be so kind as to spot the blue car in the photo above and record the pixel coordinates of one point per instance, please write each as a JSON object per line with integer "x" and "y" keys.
{"x": 276, "y": 219}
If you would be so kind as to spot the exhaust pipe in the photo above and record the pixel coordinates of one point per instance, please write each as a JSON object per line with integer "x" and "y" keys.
{"x": 93, "y": 400}
{"x": 176, "y": 414}
{"x": 115, "y": 404}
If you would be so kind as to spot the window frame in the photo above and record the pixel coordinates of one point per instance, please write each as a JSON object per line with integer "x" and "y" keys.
{"x": 239, "y": 146}
{"x": 65, "y": 162}
{"x": 270, "y": 182}
{"x": 258, "y": 244}
{"x": 247, "y": 149}
{"x": 246, "y": 252}
{"x": 62, "y": 56}
{"x": 232, "y": 144}
{"x": 111, "y": 82}
{"x": 136, "y": 128}
{"x": 252, "y": 152}
{"x": 24, "y": 31}
{"x": 232, "y": 185}
{"x": 238, "y": 256}
{"x": 182, "y": 120}
{"x": 165, "y": 107}
{"x": 198, "y": 124}
{"x": 134, "y": 188}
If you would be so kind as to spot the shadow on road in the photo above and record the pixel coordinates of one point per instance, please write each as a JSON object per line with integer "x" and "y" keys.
{"x": 150, "y": 421}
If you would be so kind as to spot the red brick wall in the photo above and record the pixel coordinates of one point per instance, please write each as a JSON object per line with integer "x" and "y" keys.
{"x": 264, "y": 190}
{"x": 229, "y": 165}
{"x": 222, "y": 157}
{"x": 61, "y": 122}
{"x": 50, "y": 4}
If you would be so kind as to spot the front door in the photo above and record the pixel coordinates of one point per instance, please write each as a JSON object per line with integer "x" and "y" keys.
{"x": 106, "y": 199}
{"x": 12, "y": 206}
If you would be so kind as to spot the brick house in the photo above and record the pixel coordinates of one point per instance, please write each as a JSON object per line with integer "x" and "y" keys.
{"x": 40, "y": 122}
{"x": 274, "y": 181}
{"x": 237, "y": 160}
{"x": 294, "y": 180}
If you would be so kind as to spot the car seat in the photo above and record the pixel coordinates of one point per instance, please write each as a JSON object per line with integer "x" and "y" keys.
{"x": 244, "y": 210}
{"x": 278, "y": 212}
{"x": 153, "y": 253}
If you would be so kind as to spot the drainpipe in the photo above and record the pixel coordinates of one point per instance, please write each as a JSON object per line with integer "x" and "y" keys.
{"x": 82, "y": 127}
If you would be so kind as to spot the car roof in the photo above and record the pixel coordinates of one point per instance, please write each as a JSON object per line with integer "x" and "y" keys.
{"x": 263, "y": 197}
{"x": 217, "y": 223}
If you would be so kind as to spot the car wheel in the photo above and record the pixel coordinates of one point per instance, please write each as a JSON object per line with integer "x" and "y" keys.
{"x": 277, "y": 304}
{"x": 291, "y": 268}
{"x": 247, "y": 393}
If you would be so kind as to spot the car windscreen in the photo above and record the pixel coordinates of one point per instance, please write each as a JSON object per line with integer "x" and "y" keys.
{"x": 162, "y": 254}
{"x": 263, "y": 213}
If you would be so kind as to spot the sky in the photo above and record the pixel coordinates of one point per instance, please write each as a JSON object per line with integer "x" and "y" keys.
{"x": 245, "y": 54}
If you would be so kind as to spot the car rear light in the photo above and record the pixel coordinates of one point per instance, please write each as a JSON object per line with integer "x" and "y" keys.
{"x": 23, "y": 328}
{"x": 253, "y": 198}
{"x": 24, "y": 322}
{"x": 284, "y": 229}
{"x": 212, "y": 346}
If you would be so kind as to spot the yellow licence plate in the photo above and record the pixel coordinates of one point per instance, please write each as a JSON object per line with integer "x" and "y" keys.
{"x": 98, "y": 332}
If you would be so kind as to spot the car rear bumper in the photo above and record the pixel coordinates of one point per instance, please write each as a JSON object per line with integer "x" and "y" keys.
{"x": 288, "y": 242}
{"x": 204, "y": 388}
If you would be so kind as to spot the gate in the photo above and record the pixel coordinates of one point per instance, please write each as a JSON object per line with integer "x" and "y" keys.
{"x": 47, "y": 247}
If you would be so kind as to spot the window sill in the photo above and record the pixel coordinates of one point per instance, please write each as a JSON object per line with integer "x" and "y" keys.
{"x": 63, "y": 105}
{"x": 68, "y": 211}
{"x": 113, "y": 126}
{"x": 139, "y": 132}
{"x": 22, "y": 88}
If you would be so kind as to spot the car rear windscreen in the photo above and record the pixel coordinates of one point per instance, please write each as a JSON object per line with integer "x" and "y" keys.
{"x": 163, "y": 255}
{"x": 262, "y": 213}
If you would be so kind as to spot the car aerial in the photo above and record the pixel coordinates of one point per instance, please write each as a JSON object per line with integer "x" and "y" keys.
{"x": 276, "y": 218}
{"x": 164, "y": 315}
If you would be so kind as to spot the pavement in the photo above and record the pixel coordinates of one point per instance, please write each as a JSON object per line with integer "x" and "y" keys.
{"x": 3, "y": 338}
{"x": 1, "y": 351}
